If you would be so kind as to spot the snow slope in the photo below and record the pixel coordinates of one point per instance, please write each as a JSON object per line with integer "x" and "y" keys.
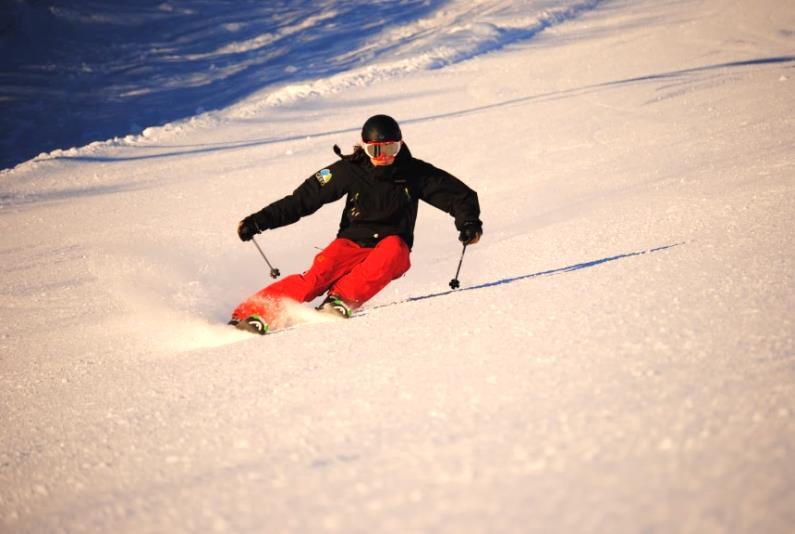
{"x": 619, "y": 359}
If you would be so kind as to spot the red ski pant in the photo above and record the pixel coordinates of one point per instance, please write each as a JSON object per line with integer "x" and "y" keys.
{"x": 351, "y": 272}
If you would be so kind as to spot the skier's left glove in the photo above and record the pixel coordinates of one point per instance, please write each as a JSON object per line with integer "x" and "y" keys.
{"x": 247, "y": 229}
{"x": 470, "y": 233}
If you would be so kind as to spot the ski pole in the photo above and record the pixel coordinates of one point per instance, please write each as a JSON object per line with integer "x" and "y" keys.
{"x": 454, "y": 284}
{"x": 274, "y": 272}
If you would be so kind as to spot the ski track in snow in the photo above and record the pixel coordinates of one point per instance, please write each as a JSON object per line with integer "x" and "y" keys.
{"x": 618, "y": 359}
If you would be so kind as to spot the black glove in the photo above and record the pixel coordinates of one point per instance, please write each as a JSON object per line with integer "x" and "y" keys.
{"x": 470, "y": 233}
{"x": 247, "y": 229}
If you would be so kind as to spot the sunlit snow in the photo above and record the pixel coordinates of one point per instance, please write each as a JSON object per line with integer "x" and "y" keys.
{"x": 619, "y": 357}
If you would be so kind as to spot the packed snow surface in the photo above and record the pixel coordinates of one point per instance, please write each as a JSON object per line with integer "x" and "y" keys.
{"x": 619, "y": 357}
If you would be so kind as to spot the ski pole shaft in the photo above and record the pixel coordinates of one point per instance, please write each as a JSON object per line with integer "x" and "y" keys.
{"x": 274, "y": 272}
{"x": 454, "y": 284}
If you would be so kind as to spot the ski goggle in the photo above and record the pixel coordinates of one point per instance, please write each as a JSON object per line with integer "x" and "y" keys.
{"x": 379, "y": 150}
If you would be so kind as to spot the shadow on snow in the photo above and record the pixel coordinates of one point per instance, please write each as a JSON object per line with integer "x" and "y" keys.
{"x": 500, "y": 282}
{"x": 513, "y": 279}
{"x": 82, "y": 72}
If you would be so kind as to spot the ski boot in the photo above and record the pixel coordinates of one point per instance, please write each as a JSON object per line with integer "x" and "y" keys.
{"x": 335, "y": 306}
{"x": 254, "y": 324}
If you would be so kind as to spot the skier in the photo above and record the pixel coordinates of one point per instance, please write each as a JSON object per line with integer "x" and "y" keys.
{"x": 383, "y": 184}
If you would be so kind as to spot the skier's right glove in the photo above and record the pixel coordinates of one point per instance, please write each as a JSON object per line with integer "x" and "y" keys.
{"x": 247, "y": 229}
{"x": 470, "y": 233}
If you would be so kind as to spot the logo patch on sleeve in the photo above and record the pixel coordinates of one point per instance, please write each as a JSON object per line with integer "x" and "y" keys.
{"x": 323, "y": 176}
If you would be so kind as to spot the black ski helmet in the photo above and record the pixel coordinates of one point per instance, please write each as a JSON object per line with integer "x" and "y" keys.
{"x": 380, "y": 128}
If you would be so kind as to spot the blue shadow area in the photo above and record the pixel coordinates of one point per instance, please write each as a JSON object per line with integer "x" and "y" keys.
{"x": 77, "y": 71}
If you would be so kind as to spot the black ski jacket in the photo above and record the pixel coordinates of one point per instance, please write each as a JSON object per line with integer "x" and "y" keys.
{"x": 381, "y": 201}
